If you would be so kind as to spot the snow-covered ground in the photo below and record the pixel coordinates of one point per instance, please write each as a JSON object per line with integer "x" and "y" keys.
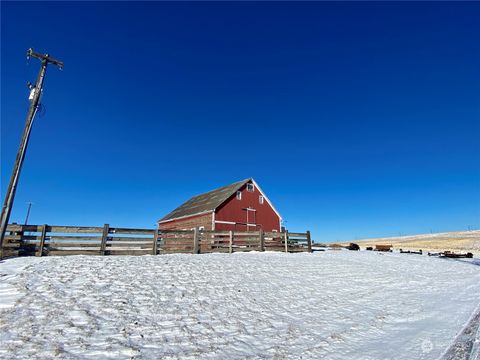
{"x": 334, "y": 305}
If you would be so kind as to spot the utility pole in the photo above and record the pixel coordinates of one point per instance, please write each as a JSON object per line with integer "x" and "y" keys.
{"x": 28, "y": 212}
{"x": 35, "y": 93}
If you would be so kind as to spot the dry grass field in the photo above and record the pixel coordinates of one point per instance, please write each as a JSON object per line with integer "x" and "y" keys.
{"x": 460, "y": 241}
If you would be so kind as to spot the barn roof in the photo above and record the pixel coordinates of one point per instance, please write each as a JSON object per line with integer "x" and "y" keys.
{"x": 205, "y": 202}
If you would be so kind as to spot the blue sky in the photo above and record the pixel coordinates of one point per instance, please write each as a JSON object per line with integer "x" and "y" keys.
{"x": 357, "y": 119}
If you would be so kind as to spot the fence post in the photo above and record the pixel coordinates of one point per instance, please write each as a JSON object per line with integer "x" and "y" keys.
{"x": 230, "y": 242}
{"x": 286, "y": 241}
{"x": 154, "y": 245}
{"x": 309, "y": 241}
{"x": 262, "y": 240}
{"x": 103, "y": 245}
{"x": 196, "y": 247}
{"x": 42, "y": 241}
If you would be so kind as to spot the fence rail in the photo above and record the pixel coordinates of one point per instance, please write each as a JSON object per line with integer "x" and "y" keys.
{"x": 48, "y": 240}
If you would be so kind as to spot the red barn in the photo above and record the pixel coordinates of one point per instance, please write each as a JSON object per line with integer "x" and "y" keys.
{"x": 241, "y": 206}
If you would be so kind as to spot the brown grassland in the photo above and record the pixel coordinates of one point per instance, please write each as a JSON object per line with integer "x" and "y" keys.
{"x": 459, "y": 241}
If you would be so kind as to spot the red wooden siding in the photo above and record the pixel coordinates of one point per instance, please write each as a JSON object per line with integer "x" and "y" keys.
{"x": 233, "y": 210}
{"x": 188, "y": 223}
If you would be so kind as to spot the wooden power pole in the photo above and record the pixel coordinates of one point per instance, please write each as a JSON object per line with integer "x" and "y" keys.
{"x": 28, "y": 212}
{"x": 35, "y": 93}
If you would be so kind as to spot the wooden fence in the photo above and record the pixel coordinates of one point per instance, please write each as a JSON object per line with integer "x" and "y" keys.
{"x": 47, "y": 240}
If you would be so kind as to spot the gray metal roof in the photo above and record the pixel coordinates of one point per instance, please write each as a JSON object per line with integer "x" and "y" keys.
{"x": 205, "y": 202}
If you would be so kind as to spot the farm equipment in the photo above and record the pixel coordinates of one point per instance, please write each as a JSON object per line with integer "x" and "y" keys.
{"x": 451, "y": 254}
{"x": 411, "y": 252}
{"x": 384, "y": 248}
{"x": 353, "y": 246}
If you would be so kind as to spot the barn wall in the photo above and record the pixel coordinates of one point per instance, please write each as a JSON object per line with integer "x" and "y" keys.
{"x": 232, "y": 210}
{"x": 191, "y": 222}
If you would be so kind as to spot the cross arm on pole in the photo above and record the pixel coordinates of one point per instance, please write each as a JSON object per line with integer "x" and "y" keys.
{"x": 44, "y": 58}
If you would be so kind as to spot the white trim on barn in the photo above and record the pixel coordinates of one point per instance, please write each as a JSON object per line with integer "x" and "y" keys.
{"x": 186, "y": 216}
{"x": 234, "y": 223}
{"x": 267, "y": 199}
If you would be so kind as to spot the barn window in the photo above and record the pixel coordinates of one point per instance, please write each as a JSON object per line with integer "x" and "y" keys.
{"x": 239, "y": 195}
{"x": 260, "y": 199}
{"x": 250, "y": 187}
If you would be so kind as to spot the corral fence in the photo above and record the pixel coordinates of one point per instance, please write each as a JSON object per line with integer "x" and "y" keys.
{"x": 48, "y": 240}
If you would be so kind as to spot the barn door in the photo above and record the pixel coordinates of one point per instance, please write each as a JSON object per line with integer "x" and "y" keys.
{"x": 251, "y": 219}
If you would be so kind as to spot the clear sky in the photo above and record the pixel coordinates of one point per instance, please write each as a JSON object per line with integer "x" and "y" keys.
{"x": 357, "y": 119}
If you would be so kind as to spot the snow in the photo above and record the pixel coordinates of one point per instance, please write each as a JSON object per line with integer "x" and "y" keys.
{"x": 332, "y": 304}
{"x": 466, "y": 344}
{"x": 9, "y": 293}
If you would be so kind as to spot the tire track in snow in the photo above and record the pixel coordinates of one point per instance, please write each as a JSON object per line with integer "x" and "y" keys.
{"x": 466, "y": 345}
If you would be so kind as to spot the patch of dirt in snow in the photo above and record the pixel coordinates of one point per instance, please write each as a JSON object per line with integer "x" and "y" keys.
{"x": 335, "y": 305}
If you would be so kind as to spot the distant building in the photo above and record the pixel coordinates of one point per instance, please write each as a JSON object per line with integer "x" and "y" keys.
{"x": 241, "y": 206}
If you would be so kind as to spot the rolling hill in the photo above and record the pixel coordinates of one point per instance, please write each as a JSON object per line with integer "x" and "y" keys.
{"x": 453, "y": 241}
